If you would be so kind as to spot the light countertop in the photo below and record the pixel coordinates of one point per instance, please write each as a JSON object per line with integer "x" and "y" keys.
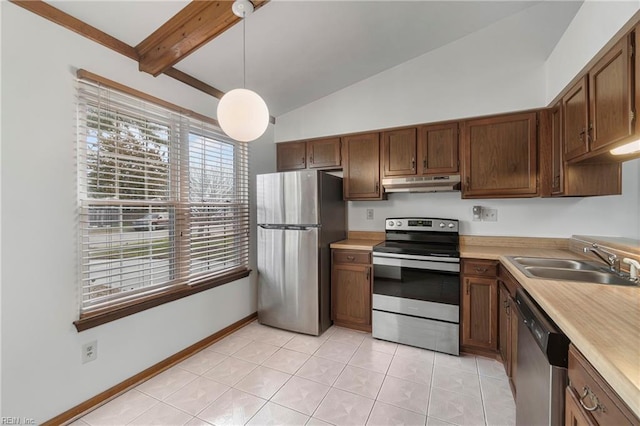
{"x": 356, "y": 244}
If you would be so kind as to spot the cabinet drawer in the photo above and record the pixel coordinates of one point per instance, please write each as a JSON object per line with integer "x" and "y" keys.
{"x": 594, "y": 395}
{"x": 352, "y": 256}
{"x": 483, "y": 268}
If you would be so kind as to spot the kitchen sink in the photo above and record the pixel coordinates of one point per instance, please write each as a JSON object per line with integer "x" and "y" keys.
{"x": 556, "y": 263}
{"x": 569, "y": 270}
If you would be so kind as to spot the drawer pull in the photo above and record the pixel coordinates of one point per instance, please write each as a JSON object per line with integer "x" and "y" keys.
{"x": 351, "y": 258}
{"x": 481, "y": 270}
{"x": 594, "y": 399}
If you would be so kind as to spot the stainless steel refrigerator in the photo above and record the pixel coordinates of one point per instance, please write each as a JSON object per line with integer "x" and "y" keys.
{"x": 299, "y": 214}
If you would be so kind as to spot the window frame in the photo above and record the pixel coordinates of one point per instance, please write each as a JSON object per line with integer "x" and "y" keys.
{"x": 200, "y": 126}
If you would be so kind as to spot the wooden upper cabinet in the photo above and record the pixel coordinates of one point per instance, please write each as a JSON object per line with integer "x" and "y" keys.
{"x": 575, "y": 113}
{"x": 291, "y": 156}
{"x": 500, "y": 157}
{"x": 611, "y": 97}
{"x": 361, "y": 167}
{"x": 438, "y": 149}
{"x": 324, "y": 153}
{"x": 399, "y": 152}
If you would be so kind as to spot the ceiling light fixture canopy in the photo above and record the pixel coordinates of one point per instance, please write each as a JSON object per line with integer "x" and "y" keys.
{"x": 242, "y": 113}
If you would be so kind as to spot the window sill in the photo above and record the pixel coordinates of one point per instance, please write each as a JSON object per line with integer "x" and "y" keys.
{"x": 95, "y": 319}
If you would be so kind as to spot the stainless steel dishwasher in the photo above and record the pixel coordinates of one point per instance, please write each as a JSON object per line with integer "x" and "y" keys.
{"x": 542, "y": 366}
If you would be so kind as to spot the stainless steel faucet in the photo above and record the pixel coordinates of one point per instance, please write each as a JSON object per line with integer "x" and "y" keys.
{"x": 607, "y": 257}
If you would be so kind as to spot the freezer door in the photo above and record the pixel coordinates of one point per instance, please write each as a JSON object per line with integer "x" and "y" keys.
{"x": 288, "y": 293}
{"x": 288, "y": 198}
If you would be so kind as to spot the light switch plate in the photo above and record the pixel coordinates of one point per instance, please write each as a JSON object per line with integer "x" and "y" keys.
{"x": 369, "y": 214}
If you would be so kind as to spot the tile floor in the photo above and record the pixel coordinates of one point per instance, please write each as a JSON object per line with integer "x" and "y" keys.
{"x": 264, "y": 376}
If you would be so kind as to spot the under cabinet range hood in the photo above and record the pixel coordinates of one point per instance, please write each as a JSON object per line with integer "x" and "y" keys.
{"x": 422, "y": 184}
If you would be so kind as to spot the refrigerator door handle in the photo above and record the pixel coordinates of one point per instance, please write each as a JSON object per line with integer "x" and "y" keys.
{"x": 289, "y": 227}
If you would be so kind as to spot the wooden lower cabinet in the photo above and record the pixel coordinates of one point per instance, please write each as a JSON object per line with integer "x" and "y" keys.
{"x": 351, "y": 285}
{"x": 479, "y": 305}
{"x": 508, "y": 324}
{"x": 590, "y": 400}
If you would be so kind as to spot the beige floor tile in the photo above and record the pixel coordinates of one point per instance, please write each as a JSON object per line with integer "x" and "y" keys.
{"x": 121, "y": 410}
{"x": 379, "y": 345}
{"x": 274, "y": 414}
{"x": 412, "y": 369}
{"x": 161, "y": 415}
{"x": 385, "y": 415}
{"x": 336, "y": 351}
{"x": 499, "y": 406}
{"x": 321, "y": 370}
{"x": 491, "y": 368}
{"x": 455, "y": 380}
{"x": 286, "y": 360}
{"x": 230, "y": 371}
{"x": 405, "y": 394}
{"x": 304, "y": 344}
{"x": 167, "y": 382}
{"x": 195, "y": 396}
{"x": 78, "y": 422}
{"x": 344, "y": 408}
{"x": 256, "y": 352}
{"x": 301, "y": 395}
{"x": 455, "y": 408}
{"x": 275, "y": 336}
{"x": 463, "y": 362}
{"x": 419, "y": 354}
{"x": 197, "y": 422}
{"x": 358, "y": 380}
{"x": 371, "y": 360}
{"x": 229, "y": 344}
{"x": 234, "y": 407}
{"x": 263, "y": 382}
{"x": 202, "y": 362}
{"x": 317, "y": 422}
{"x": 345, "y": 335}
{"x": 432, "y": 421}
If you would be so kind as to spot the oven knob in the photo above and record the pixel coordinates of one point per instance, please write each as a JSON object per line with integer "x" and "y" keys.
{"x": 442, "y": 225}
{"x": 451, "y": 225}
{"x": 398, "y": 223}
{"x": 390, "y": 223}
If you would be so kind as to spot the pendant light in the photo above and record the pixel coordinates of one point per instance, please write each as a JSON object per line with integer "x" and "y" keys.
{"x": 242, "y": 113}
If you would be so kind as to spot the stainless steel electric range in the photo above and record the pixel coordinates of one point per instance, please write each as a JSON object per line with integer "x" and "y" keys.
{"x": 416, "y": 284}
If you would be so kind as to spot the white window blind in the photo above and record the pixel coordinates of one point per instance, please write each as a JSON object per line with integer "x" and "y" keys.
{"x": 163, "y": 199}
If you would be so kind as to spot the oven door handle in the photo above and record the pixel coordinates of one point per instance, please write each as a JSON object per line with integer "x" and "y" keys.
{"x": 440, "y": 259}
{"x": 416, "y": 264}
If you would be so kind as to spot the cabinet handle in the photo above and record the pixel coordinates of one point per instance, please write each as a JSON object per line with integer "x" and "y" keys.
{"x": 311, "y": 159}
{"x": 302, "y": 160}
{"x": 351, "y": 258}
{"x": 377, "y": 187}
{"x": 413, "y": 163}
{"x": 481, "y": 270}
{"x": 587, "y": 392}
{"x": 424, "y": 163}
{"x": 468, "y": 183}
{"x": 467, "y": 285}
{"x": 368, "y": 274}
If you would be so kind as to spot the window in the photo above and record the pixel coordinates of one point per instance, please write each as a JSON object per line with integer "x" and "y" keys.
{"x": 163, "y": 200}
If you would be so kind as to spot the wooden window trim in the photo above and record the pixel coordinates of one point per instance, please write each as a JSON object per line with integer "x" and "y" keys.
{"x": 113, "y": 313}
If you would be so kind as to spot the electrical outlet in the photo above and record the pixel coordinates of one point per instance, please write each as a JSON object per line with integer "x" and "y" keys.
{"x": 89, "y": 351}
{"x": 477, "y": 213}
{"x": 369, "y": 214}
{"x": 490, "y": 215}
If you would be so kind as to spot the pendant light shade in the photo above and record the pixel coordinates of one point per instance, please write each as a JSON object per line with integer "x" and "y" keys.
{"x": 243, "y": 115}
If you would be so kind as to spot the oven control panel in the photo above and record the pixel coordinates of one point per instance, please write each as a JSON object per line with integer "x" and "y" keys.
{"x": 421, "y": 224}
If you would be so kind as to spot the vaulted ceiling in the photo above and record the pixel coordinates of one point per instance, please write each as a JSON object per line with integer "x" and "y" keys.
{"x": 300, "y": 51}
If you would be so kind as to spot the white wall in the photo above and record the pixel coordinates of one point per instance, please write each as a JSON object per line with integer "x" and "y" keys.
{"x": 42, "y": 375}
{"x": 490, "y": 71}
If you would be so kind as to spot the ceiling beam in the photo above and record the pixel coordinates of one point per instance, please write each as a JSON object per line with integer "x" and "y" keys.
{"x": 195, "y": 25}
{"x": 67, "y": 21}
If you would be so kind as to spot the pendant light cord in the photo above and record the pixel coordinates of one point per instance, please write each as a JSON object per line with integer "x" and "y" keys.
{"x": 244, "y": 50}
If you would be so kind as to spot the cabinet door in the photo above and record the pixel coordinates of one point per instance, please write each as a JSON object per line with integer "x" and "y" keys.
{"x": 438, "y": 149}
{"x": 480, "y": 313}
{"x": 361, "y": 177}
{"x": 399, "y": 152}
{"x": 576, "y": 118}
{"x": 574, "y": 414}
{"x": 504, "y": 328}
{"x": 324, "y": 153}
{"x": 610, "y": 97}
{"x": 500, "y": 158}
{"x": 351, "y": 294}
{"x": 291, "y": 156}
